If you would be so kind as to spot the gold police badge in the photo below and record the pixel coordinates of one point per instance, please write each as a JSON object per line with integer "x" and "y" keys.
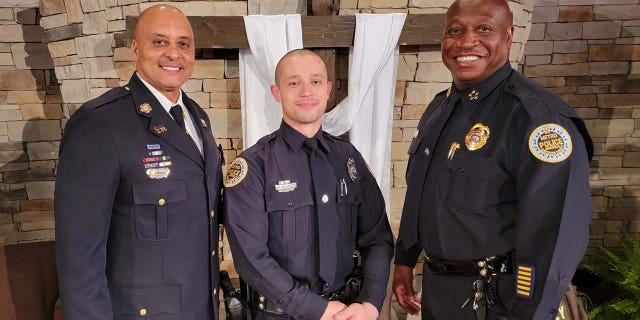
{"x": 145, "y": 107}
{"x": 550, "y": 142}
{"x": 236, "y": 172}
{"x": 477, "y": 136}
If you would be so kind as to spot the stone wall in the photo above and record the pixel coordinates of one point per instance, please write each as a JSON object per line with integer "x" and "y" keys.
{"x": 584, "y": 50}
{"x": 588, "y": 52}
{"x": 30, "y": 125}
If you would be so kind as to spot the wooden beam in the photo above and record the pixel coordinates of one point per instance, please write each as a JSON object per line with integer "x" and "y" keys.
{"x": 317, "y": 31}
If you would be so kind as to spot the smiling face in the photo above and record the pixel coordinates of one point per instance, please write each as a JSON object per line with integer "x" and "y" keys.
{"x": 163, "y": 49}
{"x": 476, "y": 40}
{"x": 303, "y": 89}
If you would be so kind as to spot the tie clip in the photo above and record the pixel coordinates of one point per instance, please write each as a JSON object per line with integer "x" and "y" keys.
{"x": 452, "y": 150}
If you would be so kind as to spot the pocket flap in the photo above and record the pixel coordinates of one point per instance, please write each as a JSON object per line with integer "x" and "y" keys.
{"x": 468, "y": 164}
{"x": 151, "y": 192}
{"x": 291, "y": 200}
{"x": 145, "y": 300}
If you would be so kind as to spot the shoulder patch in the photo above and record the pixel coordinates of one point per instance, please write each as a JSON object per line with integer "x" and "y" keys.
{"x": 550, "y": 142}
{"x": 236, "y": 172}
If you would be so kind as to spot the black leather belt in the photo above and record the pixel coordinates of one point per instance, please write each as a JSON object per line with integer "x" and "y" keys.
{"x": 494, "y": 264}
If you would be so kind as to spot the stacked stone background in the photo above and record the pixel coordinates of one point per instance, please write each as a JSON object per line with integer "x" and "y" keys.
{"x": 588, "y": 52}
{"x": 57, "y": 54}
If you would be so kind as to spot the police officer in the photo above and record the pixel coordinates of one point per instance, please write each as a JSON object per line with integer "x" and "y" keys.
{"x": 137, "y": 189}
{"x": 497, "y": 184}
{"x": 299, "y": 202}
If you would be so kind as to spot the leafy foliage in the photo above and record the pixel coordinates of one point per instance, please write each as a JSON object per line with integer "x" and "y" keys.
{"x": 624, "y": 272}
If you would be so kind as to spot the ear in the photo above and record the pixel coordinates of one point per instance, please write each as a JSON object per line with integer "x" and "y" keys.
{"x": 134, "y": 50}
{"x": 275, "y": 91}
{"x": 510, "y": 32}
{"x": 329, "y": 87}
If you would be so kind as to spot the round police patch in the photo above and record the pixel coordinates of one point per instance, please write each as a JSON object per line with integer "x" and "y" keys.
{"x": 550, "y": 142}
{"x": 236, "y": 172}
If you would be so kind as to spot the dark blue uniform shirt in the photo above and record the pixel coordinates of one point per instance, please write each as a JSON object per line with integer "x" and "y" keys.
{"x": 501, "y": 167}
{"x": 272, "y": 229}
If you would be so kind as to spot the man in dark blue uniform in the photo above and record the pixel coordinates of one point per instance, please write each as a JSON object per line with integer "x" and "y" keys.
{"x": 137, "y": 189}
{"x": 298, "y": 204}
{"x": 497, "y": 184}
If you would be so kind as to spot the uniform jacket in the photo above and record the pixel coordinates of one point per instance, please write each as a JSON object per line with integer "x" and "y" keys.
{"x": 272, "y": 229}
{"x": 135, "y": 209}
{"x": 521, "y": 187}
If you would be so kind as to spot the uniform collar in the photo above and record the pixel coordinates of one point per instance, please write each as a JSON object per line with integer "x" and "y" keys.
{"x": 164, "y": 101}
{"x": 295, "y": 139}
{"x": 473, "y": 95}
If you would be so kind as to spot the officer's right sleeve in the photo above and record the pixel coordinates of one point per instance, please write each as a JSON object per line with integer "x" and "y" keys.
{"x": 86, "y": 183}
{"x": 247, "y": 225}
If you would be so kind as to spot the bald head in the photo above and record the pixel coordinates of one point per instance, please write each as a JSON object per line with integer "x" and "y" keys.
{"x": 297, "y": 53}
{"x": 499, "y": 7}
{"x": 158, "y": 13}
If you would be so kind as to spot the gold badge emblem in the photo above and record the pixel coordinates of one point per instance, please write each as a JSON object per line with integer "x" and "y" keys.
{"x": 477, "y": 137}
{"x": 204, "y": 124}
{"x": 474, "y": 95}
{"x": 236, "y": 173}
{"x": 448, "y": 92}
{"x": 550, "y": 143}
{"x": 127, "y": 88}
{"x": 161, "y": 128}
{"x": 145, "y": 107}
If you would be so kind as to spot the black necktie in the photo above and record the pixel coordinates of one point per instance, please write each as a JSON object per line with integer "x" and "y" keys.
{"x": 176, "y": 112}
{"x": 324, "y": 186}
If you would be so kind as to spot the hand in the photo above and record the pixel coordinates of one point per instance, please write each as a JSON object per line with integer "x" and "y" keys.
{"x": 333, "y": 307}
{"x": 403, "y": 289}
{"x": 358, "y": 311}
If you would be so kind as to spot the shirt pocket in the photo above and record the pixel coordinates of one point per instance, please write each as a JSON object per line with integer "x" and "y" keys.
{"x": 160, "y": 209}
{"x": 290, "y": 213}
{"x": 468, "y": 182}
{"x": 350, "y": 197}
{"x": 149, "y": 301}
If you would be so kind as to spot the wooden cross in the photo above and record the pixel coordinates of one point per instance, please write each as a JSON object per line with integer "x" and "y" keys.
{"x": 317, "y": 31}
{"x": 322, "y": 33}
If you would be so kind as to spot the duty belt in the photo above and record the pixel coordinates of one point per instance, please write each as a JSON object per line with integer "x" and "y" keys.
{"x": 484, "y": 266}
{"x": 483, "y": 291}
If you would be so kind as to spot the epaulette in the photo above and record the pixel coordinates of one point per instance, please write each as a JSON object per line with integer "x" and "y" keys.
{"x": 259, "y": 145}
{"x": 105, "y": 98}
{"x": 536, "y": 100}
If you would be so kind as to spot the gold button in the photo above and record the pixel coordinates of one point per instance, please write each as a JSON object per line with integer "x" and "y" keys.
{"x": 212, "y": 213}
{"x": 143, "y": 312}
{"x": 161, "y": 201}
{"x": 481, "y": 264}
{"x": 483, "y": 272}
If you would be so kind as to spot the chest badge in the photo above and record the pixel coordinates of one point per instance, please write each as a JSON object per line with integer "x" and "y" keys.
{"x": 474, "y": 95}
{"x": 286, "y": 186}
{"x": 158, "y": 173}
{"x": 351, "y": 169}
{"x": 477, "y": 136}
{"x": 145, "y": 108}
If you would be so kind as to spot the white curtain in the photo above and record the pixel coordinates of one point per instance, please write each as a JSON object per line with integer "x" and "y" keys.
{"x": 368, "y": 110}
{"x": 367, "y": 113}
{"x": 270, "y": 37}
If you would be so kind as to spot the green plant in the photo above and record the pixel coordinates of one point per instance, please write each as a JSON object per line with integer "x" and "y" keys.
{"x": 624, "y": 272}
